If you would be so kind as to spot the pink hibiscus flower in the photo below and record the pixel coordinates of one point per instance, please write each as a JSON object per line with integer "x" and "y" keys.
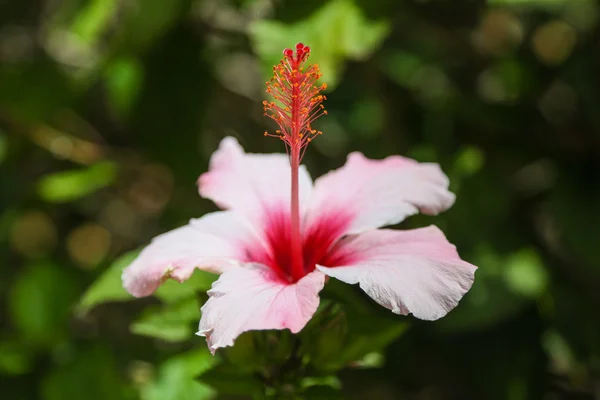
{"x": 281, "y": 236}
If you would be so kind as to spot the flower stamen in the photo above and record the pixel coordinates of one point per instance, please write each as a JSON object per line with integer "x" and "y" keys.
{"x": 298, "y": 102}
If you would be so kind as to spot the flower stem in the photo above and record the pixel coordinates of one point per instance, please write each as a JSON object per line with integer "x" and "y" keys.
{"x": 295, "y": 235}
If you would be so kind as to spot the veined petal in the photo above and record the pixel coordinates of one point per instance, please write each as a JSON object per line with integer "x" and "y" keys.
{"x": 212, "y": 243}
{"x": 415, "y": 271}
{"x": 251, "y": 184}
{"x": 374, "y": 193}
{"x": 253, "y": 297}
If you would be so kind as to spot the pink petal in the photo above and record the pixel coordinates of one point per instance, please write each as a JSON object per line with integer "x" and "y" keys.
{"x": 255, "y": 298}
{"x": 212, "y": 243}
{"x": 416, "y": 271}
{"x": 374, "y": 193}
{"x": 251, "y": 184}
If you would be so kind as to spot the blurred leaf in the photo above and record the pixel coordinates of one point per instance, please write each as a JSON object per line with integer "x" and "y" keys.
{"x": 67, "y": 186}
{"x": 469, "y": 161}
{"x": 176, "y": 378}
{"x": 402, "y": 67}
{"x": 172, "y": 323}
{"x": 108, "y": 287}
{"x": 331, "y": 381}
{"x": 336, "y": 32}
{"x": 92, "y": 19}
{"x": 15, "y": 358}
{"x": 40, "y": 301}
{"x": 91, "y": 375}
{"x": 123, "y": 81}
{"x": 525, "y": 273}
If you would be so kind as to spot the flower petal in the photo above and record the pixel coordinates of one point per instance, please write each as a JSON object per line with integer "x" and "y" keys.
{"x": 416, "y": 271}
{"x": 251, "y": 184}
{"x": 211, "y": 243}
{"x": 255, "y": 298}
{"x": 375, "y": 193}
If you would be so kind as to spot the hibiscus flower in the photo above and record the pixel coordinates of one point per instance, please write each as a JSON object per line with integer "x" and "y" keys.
{"x": 281, "y": 236}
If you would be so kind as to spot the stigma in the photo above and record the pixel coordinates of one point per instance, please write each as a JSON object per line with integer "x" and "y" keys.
{"x": 297, "y": 99}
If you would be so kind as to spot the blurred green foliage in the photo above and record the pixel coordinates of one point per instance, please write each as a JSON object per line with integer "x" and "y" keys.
{"x": 110, "y": 109}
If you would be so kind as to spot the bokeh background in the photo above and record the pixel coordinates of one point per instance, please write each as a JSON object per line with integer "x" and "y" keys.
{"x": 110, "y": 109}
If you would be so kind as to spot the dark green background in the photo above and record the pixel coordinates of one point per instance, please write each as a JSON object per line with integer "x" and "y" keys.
{"x": 110, "y": 109}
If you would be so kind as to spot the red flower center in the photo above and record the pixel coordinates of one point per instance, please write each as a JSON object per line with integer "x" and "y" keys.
{"x": 317, "y": 242}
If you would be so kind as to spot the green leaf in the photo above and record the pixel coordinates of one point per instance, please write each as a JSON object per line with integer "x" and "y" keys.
{"x": 525, "y": 273}
{"x": 339, "y": 336}
{"x": 173, "y": 291}
{"x": 67, "y": 186}
{"x": 40, "y": 302}
{"x": 176, "y": 378}
{"x": 368, "y": 333}
{"x": 172, "y": 322}
{"x": 93, "y": 19}
{"x": 123, "y": 79}
{"x": 109, "y": 286}
{"x": 336, "y": 32}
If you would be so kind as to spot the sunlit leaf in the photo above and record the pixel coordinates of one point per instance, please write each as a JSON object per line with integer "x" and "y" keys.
{"x": 177, "y": 378}
{"x": 174, "y": 322}
{"x": 172, "y": 291}
{"x": 525, "y": 273}
{"x": 108, "y": 287}
{"x": 123, "y": 81}
{"x": 71, "y": 185}
{"x": 93, "y": 19}
{"x": 40, "y": 301}
{"x": 336, "y": 32}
